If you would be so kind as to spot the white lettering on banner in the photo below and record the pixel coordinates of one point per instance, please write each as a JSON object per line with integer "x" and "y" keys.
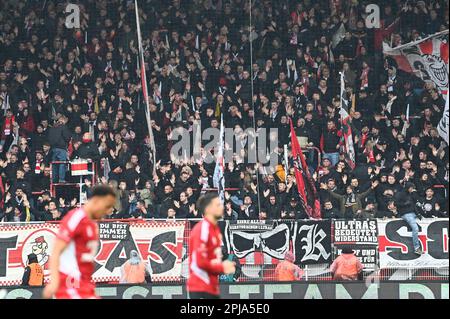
{"x": 355, "y": 231}
{"x": 244, "y": 291}
{"x": 297, "y": 290}
{"x": 106, "y": 291}
{"x": 313, "y": 242}
{"x": 19, "y": 293}
{"x": 167, "y": 292}
{"x": 313, "y": 292}
{"x": 135, "y": 291}
{"x": 370, "y": 293}
{"x": 270, "y": 290}
{"x": 444, "y": 291}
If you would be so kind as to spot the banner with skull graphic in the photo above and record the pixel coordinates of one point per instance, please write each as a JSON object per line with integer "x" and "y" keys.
{"x": 267, "y": 242}
{"x": 426, "y": 58}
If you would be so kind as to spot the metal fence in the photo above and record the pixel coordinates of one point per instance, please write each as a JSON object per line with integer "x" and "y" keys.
{"x": 317, "y": 273}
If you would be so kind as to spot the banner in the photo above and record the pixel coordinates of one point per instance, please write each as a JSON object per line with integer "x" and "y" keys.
{"x": 396, "y": 249}
{"x": 426, "y": 58}
{"x": 257, "y": 242}
{"x": 160, "y": 243}
{"x": 359, "y": 235}
{"x": 267, "y": 290}
{"x": 312, "y": 242}
{"x": 355, "y": 231}
{"x": 267, "y": 242}
{"x": 259, "y": 246}
{"x": 17, "y": 241}
{"x": 367, "y": 255}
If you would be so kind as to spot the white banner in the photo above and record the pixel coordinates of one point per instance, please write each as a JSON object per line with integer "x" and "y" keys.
{"x": 160, "y": 243}
{"x": 20, "y": 240}
{"x": 426, "y": 58}
{"x": 396, "y": 249}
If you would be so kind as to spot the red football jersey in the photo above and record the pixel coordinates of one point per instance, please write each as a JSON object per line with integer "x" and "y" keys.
{"x": 205, "y": 258}
{"x": 77, "y": 260}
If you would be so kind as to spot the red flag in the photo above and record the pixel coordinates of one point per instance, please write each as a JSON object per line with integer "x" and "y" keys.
{"x": 384, "y": 32}
{"x": 346, "y": 131}
{"x": 306, "y": 190}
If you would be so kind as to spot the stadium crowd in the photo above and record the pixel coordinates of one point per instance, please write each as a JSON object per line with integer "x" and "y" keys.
{"x": 76, "y": 93}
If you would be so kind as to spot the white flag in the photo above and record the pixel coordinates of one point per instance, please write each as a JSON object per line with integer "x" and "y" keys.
{"x": 219, "y": 178}
{"x": 338, "y": 36}
{"x": 443, "y": 124}
{"x": 426, "y": 58}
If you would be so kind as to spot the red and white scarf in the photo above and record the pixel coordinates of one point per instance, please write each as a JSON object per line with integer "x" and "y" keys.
{"x": 38, "y": 167}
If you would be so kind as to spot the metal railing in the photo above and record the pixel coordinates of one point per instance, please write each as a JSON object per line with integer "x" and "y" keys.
{"x": 53, "y": 185}
{"x": 317, "y": 273}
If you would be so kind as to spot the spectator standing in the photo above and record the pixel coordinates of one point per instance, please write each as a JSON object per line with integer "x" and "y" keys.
{"x": 346, "y": 266}
{"x": 134, "y": 270}
{"x": 34, "y": 274}
{"x": 286, "y": 270}
{"x": 59, "y": 137}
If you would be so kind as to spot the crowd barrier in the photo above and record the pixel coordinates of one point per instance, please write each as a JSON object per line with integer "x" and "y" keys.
{"x": 266, "y": 290}
{"x": 383, "y": 246}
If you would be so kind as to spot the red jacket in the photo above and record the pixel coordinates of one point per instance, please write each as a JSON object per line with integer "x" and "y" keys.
{"x": 205, "y": 258}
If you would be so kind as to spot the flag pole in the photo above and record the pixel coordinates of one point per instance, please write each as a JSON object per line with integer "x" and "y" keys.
{"x": 250, "y": 39}
{"x": 286, "y": 162}
{"x": 144, "y": 87}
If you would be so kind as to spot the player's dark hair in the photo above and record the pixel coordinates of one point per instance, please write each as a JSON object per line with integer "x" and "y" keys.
{"x": 102, "y": 191}
{"x": 204, "y": 201}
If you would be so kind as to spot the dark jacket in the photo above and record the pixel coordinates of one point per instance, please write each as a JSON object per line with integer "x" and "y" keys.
{"x": 243, "y": 214}
{"x": 59, "y": 136}
{"x": 88, "y": 151}
{"x": 404, "y": 203}
{"x": 358, "y": 200}
{"x": 330, "y": 139}
{"x": 331, "y": 213}
{"x": 295, "y": 212}
{"x": 273, "y": 211}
